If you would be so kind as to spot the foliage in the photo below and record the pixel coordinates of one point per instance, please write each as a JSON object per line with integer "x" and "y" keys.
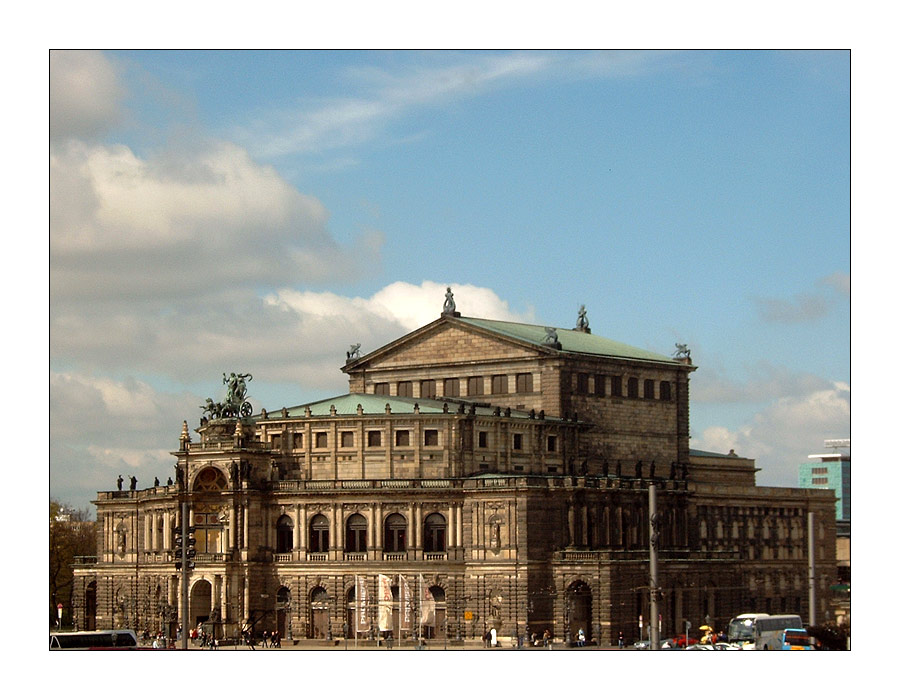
{"x": 72, "y": 534}
{"x": 831, "y": 636}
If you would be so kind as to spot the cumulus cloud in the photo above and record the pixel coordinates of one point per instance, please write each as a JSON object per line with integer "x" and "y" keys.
{"x": 100, "y": 427}
{"x": 85, "y": 95}
{"x": 765, "y": 381}
{"x": 190, "y": 223}
{"x": 782, "y": 435}
{"x": 806, "y": 306}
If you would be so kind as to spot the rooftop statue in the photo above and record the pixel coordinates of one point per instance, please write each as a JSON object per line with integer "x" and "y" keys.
{"x": 353, "y": 354}
{"x": 235, "y": 403}
{"x": 583, "y": 324}
{"x": 682, "y": 351}
{"x": 551, "y": 338}
{"x": 449, "y": 304}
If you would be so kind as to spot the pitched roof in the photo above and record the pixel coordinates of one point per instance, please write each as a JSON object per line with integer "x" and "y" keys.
{"x": 373, "y": 404}
{"x": 571, "y": 341}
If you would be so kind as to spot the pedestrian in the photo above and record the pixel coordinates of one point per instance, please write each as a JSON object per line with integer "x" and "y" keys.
{"x": 493, "y": 636}
{"x": 580, "y": 637}
{"x": 265, "y": 639}
{"x": 276, "y": 639}
{"x": 485, "y": 638}
{"x": 546, "y": 638}
{"x": 621, "y": 640}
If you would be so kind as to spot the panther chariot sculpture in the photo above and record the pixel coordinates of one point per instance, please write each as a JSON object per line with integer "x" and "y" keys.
{"x": 235, "y": 403}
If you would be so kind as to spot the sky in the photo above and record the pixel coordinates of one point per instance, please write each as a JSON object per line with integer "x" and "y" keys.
{"x": 261, "y": 212}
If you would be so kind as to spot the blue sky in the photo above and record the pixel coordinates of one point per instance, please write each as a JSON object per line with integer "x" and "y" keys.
{"x": 259, "y": 212}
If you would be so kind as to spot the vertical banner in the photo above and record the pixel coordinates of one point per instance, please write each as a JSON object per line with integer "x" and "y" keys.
{"x": 385, "y": 604}
{"x": 427, "y": 616}
{"x": 405, "y": 605}
{"x": 362, "y": 605}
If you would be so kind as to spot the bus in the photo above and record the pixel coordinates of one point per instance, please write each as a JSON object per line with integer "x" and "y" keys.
{"x": 760, "y": 631}
{"x": 98, "y": 639}
{"x": 796, "y": 640}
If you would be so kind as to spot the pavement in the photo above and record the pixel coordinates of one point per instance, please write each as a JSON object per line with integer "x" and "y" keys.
{"x": 408, "y": 645}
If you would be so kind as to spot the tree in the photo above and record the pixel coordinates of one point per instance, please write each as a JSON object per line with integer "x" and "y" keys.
{"x": 72, "y": 534}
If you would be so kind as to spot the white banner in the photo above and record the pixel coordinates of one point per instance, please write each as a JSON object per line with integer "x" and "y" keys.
{"x": 405, "y": 605}
{"x": 427, "y": 615}
{"x": 362, "y": 605}
{"x": 385, "y": 604}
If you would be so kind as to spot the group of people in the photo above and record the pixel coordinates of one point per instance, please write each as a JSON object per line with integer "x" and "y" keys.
{"x": 269, "y": 639}
{"x": 490, "y": 638}
{"x": 204, "y": 639}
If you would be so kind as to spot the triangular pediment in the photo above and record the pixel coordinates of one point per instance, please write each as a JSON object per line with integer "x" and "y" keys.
{"x": 445, "y": 341}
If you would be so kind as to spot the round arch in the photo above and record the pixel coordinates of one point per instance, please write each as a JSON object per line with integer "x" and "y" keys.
{"x": 579, "y": 604}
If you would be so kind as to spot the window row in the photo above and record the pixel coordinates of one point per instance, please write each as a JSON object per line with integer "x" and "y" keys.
{"x": 347, "y": 438}
{"x": 356, "y": 531}
{"x": 602, "y": 385}
{"x": 475, "y": 386}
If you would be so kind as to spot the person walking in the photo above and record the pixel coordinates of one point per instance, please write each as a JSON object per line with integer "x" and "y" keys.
{"x": 580, "y": 637}
{"x": 621, "y": 641}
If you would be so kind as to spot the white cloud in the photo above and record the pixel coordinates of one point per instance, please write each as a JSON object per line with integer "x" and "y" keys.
{"x": 782, "y": 435}
{"x": 381, "y": 98}
{"x": 85, "y": 94}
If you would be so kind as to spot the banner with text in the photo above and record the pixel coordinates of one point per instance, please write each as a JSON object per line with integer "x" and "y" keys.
{"x": 385, "y": 604}
{"x": 362, "y": 605}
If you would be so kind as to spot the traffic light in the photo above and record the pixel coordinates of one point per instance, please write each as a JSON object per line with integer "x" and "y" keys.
{"x": 180, "y": 551}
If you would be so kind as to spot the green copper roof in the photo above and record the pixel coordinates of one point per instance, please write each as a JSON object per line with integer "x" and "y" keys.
{"x": 571, "y": 341}
{"x": 373, "y": 404}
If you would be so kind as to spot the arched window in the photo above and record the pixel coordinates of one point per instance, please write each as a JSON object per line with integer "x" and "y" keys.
{"x": 395, "y": 533}
{"x": 318, "y": 534}
{"x": 210, "y": 479}
{"x": 435, "y": 533}
{"x": 355, "y": 540}
{"x": 284, "y": 535}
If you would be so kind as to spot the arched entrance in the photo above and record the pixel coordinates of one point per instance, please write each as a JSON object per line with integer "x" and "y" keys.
{"x": 319, "y": 614}
{"x": 578, "y": 608}
{"x": 282, "y": 611}
{"x": 201, "y": 602}
{"x": 90, "y": 606}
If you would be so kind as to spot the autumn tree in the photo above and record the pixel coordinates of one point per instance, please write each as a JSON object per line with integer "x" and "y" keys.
{"x": 72, "y": 535}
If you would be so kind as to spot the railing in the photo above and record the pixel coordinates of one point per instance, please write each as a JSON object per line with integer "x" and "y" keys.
{"x": 395, "y": 556}
{"x": 208, "y": 557}
{"x": 82, "y": 560}
{"x": 435, "y": 556}
{"x": 356, "y": 556}
{"x": 316, "y": 556}
{"x": 283, "y": 557}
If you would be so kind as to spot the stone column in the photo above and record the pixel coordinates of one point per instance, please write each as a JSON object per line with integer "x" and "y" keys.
{"x": 304, "y": 528}
{"x": 451, "y": 526}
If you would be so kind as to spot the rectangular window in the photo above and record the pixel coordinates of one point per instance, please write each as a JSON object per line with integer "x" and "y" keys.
{"x": 599, "y": 385}
{"x": 346, "y": 439}
{"x": 431, "y": 438}
{"x": 616, "y": 389}
{"x": 524, "y": 383}
{"x": 404, "y": 388}
{"x": 632, "y": 387}
{"x": 476, "y": 386}
{"x": 298, "y": 441}
{"x": 517, "y": 441}
{"x": 499, "y": 384}
{"x": 383, "y": 388}
{"x": 276, "y": 442}
{"x": 321, "y": 439}
{"x": 401, "y": 438}
{"x": 429, "y": 389}
{"x": 649, "y": 392}
{"x": 374, "y": 438}
{"x": 551, "y": 443}
{"x": 581, "y": 383}
{"x": 451, "y": 387}
{"x": 482, "y": 439}
{"x": 665, "y": 391}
